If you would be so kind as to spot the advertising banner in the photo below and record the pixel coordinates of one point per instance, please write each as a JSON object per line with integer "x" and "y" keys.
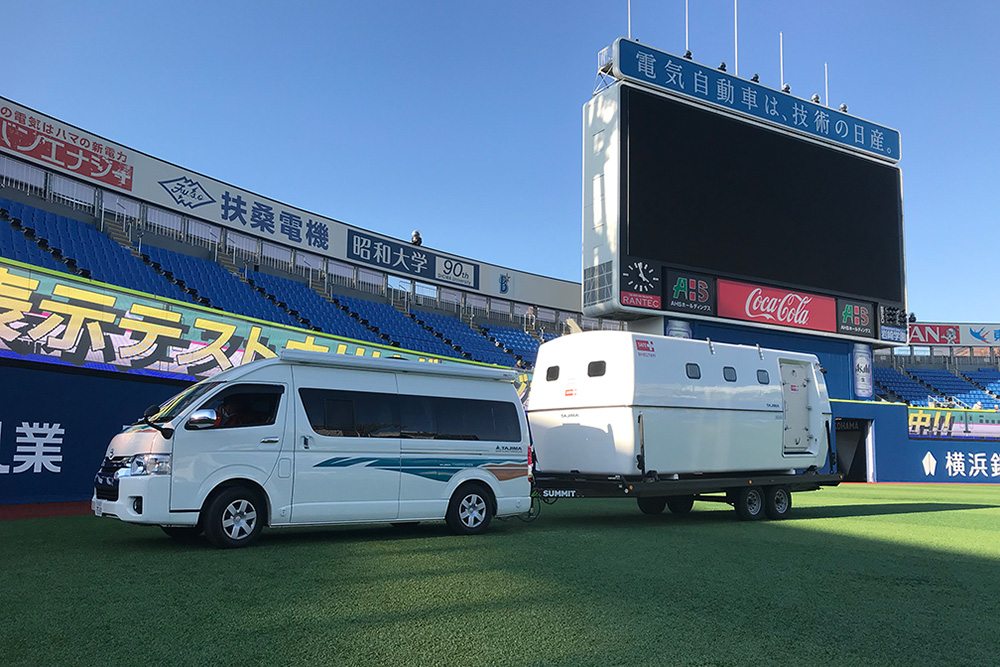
{"x": 642, "y": 64}
{"x": 768, "y": 305}
{"x": 690, "y": 293}
{"x": 856, "y": 318}
{"x": 957, "y": 335}
{"x": 62, "y": 319}
{"x": 941, "y": 462}
{"x": 414, "y": 261}
{"x": 944, "y": 423}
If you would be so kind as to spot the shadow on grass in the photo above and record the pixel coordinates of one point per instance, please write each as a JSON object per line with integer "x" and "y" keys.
{"x": 628, "y": 519}
{"x": 596, "y": 519}
{"x": 371, "y": 533}
{"x": 840, "y": 511}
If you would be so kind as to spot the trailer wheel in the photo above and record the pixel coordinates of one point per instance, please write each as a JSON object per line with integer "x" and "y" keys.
{"x": 652, "y": 505}
{"x": 779, "y": 502}
{"x": 750, "y": 503}
{"x": 470, "y": 510}
{"x": 680, "y": 504}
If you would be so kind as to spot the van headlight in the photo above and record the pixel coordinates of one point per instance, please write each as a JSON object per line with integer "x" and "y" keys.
{"x": 150, "y": 464}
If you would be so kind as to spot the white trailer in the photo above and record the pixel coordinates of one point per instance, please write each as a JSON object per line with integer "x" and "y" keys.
{"x": 671, "y": 420}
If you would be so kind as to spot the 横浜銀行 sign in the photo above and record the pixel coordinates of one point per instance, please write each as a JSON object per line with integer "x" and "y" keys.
{"x": 657, "y": 69}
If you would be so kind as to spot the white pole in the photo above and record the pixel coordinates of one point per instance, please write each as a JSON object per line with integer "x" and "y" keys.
{"x": 781, "y": 56}
{"x": 630, "y": 19}
{"x": 826, "y": 78}
{"x": 736, "y": 36}
{"x": 687, "y": 43}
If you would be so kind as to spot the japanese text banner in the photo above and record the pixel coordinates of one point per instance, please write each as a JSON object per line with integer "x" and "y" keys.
{"x": 650, "y": 67}
{"x": 62, "y": 319}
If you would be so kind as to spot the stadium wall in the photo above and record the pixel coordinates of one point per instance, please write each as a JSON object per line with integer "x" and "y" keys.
{"x": 56, "y": 423}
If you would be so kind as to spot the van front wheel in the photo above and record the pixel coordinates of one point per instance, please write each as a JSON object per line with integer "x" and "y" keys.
{"x": 470, "y": 510}
{"x": 234, "y": 518}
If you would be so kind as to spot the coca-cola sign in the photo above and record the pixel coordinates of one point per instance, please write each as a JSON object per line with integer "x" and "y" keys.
{"x": 767, "y": 305}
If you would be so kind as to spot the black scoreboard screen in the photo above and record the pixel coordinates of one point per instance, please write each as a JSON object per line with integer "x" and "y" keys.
{"x": 712, "y": 193}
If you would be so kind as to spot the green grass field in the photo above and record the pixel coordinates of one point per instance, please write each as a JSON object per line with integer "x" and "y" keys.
{"x": 861, "y": 575}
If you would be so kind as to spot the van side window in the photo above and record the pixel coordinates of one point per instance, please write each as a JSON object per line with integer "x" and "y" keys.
{"x": 729, "y": 374}
{"x": 762, "y": 377}
{"x": 245, "y": 405}
{"x": 694, "y": 371}
{"x": 551, "y": 373}
{"x": 438, "y": 418}
{"x": 360, "y": 414}
{"x": 351, "y": 414}
{"x": 596, "y": 369}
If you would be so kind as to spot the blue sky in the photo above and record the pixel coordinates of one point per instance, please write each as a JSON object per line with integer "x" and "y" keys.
{"x": 463, "y": 119}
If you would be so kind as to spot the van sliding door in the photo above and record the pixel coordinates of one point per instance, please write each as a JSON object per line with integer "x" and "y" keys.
{"x": 346, "y": 446}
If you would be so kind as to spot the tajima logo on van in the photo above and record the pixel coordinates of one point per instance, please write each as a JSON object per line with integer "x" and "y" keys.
{"x": 764, "y": 304}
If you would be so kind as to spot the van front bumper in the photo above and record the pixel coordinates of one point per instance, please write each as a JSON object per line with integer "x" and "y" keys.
{"x": 143, "y": 499}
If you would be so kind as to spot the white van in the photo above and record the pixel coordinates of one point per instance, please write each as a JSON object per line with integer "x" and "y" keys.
{"x": 309, "y": 438}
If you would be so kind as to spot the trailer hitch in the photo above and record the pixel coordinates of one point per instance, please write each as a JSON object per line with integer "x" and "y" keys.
{"x": 640, "y": 459}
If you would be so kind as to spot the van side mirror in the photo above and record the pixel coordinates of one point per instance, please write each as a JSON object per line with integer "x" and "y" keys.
{"x": 200, "y": 419}
{"x": 151, "y": 411}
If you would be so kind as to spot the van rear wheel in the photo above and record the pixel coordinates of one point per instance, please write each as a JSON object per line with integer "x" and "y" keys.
{"x": 652, "y": 505}
{"x": 234, "y": 518}
{"x": 470, "y": 510}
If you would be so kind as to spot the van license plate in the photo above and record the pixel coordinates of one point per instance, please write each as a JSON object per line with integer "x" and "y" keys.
{"x": 98, "y": 507}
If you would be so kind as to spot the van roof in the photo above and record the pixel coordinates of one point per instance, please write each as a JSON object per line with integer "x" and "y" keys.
{"x": 392, "y": 365}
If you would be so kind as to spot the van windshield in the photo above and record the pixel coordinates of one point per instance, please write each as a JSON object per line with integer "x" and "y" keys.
{"x": 179, "y": 403}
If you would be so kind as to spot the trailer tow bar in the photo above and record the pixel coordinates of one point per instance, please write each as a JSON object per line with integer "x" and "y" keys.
{"x": 534, "y": 509}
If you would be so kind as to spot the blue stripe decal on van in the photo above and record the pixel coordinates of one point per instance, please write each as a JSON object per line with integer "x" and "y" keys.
{"x": 438, "y": 469}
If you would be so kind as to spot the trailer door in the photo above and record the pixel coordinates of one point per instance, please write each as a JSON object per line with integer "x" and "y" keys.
{"x": 795, "y": 392}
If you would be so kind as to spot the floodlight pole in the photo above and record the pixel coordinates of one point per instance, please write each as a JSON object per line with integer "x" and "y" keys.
{"x": 736, "y": 35}
{"x": 781, "y": 57}
{"x": 687, "y": 41}
{"x": 826, "y": 80}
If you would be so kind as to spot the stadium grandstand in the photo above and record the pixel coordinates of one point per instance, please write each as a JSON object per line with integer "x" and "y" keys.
{"x": 937, "y": 381}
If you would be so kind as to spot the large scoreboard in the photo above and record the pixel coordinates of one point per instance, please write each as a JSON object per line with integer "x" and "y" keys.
{"x": 710, "y": 197}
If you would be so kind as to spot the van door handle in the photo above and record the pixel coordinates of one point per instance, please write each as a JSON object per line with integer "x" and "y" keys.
{"x": 305, "y": 442}
{"x": 268, "y": 441}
